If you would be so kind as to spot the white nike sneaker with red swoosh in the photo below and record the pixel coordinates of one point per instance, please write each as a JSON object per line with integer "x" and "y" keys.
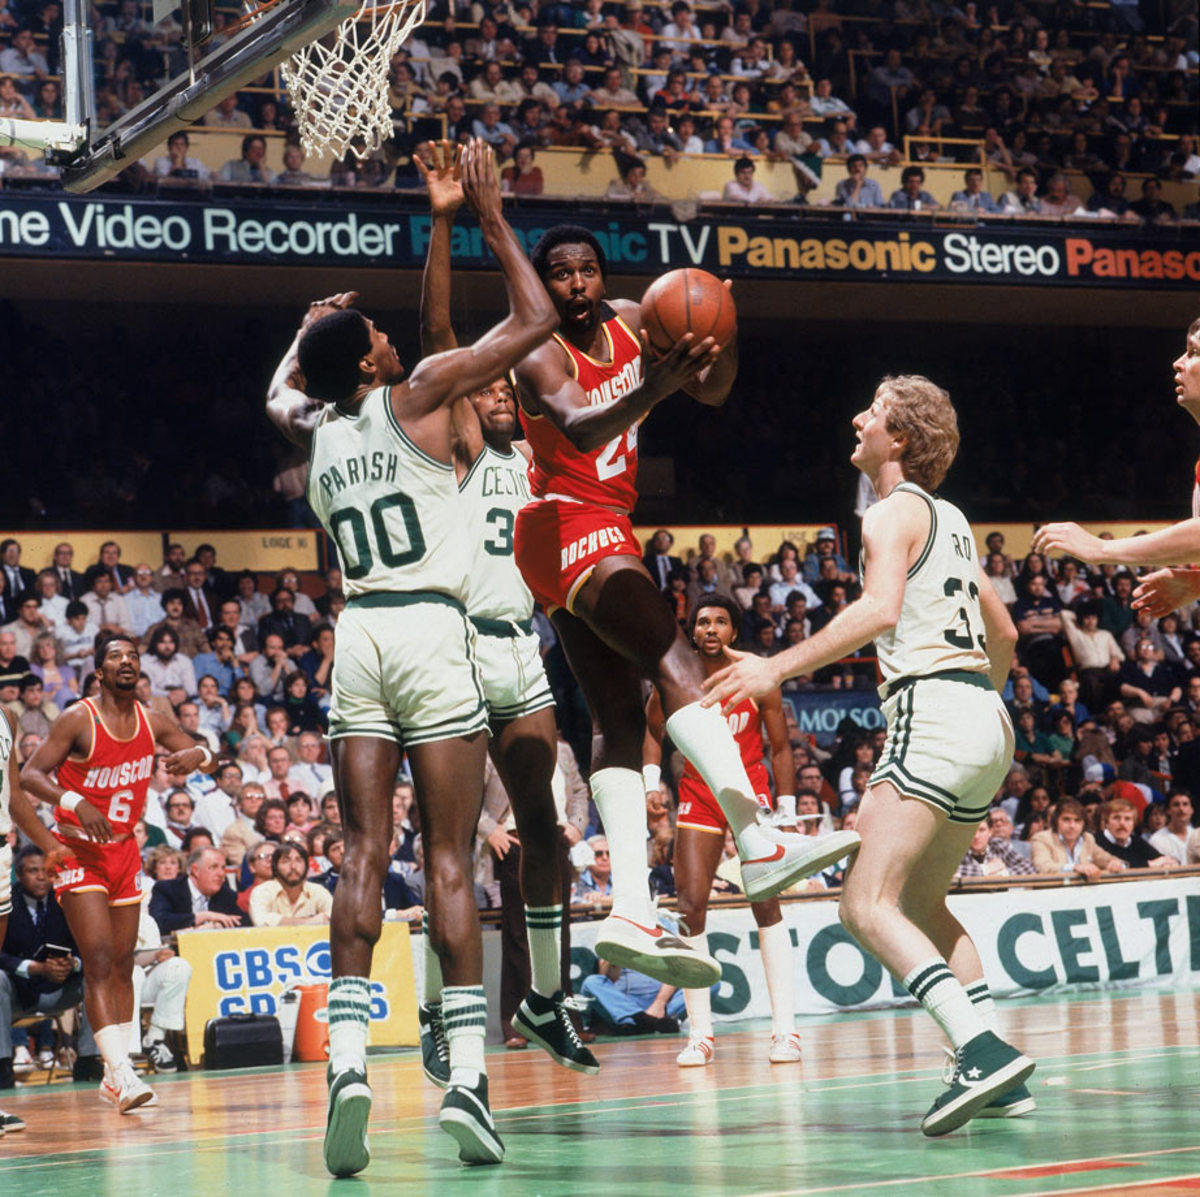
{"x": 656, "y": 952}
{"x": 795, "y": 857}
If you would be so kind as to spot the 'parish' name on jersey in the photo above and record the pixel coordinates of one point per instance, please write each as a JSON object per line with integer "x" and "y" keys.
{"x": 126, "y": 773}
{"x": 628, "y": 380}
{"x": 377, "y": 467}
{"x": 585, "y": 546}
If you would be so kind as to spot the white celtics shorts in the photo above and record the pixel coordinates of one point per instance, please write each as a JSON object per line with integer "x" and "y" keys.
{"x": 510, "y": 660}
{"x": 949, "y": 743}
{"x": 405, "y": 670}
{"x": 5, "y": 880}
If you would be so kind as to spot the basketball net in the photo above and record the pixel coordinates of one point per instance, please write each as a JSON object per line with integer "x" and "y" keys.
{"x": 339, "y": 84}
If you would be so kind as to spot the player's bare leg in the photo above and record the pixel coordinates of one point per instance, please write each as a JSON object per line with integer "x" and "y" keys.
{"x": 899, "y": 879}
{"x": 365, "y": 769}
{"x": 630, "y": 936}
{"x": 448, "y": 776}
{"x": 525, "y": 753}
{"x": 106, "y": 937}
{"x": 697, "y": 856}
{"x": 623, "y": 608}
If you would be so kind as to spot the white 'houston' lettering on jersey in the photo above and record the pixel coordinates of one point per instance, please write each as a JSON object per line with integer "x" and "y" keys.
{"x": 7, "y": 748}
{"x": 941, "y": 622}
{"x": 392, "y": 510}
{"x": 495, "y": 489}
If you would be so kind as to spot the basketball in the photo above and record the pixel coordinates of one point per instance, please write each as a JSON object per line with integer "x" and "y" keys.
{"x": 685, "y": 301}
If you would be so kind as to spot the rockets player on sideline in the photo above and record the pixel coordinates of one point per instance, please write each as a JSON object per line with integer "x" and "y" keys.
{"x": 102, "y": 752}
{"x": 583, "y": 395}
{"x": 1166, "y": 589}
{"x": 945, "y": 644}
{"x": 700, "y": 835}
{"x": 16, "y": 808}
{"x": 492, "y": 483}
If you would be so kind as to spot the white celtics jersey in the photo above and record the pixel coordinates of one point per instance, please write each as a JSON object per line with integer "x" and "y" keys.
{"x": 494, "y": 490}
{"x": 392, "y": 510}
{"x": 6, "y": 751}
{"x": 941, "y": 623}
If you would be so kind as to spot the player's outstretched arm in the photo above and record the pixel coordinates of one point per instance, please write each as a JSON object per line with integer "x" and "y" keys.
{"x": 288, "y": 407}
{"x": 1167, "y": 546}
{"x": 1000, "y": 632}
{"x": 186, "y": 755}
{"x": 892, "y": 531}
{"x": 70, "y": 733}
{"x": 1167, "y": 590}
{"x": 443, "y": 180}
{"x": 19, "y": 806}
{"x": 531, "y": 319}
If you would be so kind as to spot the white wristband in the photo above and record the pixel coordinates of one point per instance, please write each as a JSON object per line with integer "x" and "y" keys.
{"x": 785, "y": 804}
{"x": 70, "y": 800}
{"x": 651, "y": 776}
{"x": 208, "y": 756}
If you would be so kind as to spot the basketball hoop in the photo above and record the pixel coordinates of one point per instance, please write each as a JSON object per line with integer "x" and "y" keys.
{"x": 339, "y": 84}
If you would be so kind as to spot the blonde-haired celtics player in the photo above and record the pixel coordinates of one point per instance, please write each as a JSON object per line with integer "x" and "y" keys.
{"x": 493, "y": 487}
{"x": 382, "y": 482}
{"x": 16, "y": 809}
{"x": 945, "y": 644}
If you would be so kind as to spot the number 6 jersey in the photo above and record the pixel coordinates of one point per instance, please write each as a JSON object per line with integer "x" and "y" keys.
{"x": 607, "y": 475}
{"x": 392, "y": 510}
{"x": 941, "y": 623}
{"x": 115, "y": 774}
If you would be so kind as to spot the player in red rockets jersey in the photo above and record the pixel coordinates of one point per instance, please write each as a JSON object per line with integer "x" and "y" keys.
{"x": 700, "y": 834}
{"x": 1166, "y": 589}
{"x": 583, "y": 394}
{"x": 94, "y": 769}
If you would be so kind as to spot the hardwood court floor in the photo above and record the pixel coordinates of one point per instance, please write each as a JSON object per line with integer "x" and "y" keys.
{"x": 1118, "y": 1090}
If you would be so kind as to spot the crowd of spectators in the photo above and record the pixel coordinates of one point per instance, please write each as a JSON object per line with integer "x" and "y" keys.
{"x": 1060, "y": 91}
{"x": 1105, "y": 701}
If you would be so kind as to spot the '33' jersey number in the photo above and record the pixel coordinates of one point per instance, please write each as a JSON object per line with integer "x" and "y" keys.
{"x": 960, "y": 634}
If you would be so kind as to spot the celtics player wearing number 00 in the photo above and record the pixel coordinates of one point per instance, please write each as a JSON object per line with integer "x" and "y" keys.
{"x": 493, "y": 485}
{"x": 945, "y": 644}
{"x": 382, "y": 482}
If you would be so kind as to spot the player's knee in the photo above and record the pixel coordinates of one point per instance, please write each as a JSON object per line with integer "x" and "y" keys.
{"x": 99, "y": 965}
{"x": 855, "y": 913}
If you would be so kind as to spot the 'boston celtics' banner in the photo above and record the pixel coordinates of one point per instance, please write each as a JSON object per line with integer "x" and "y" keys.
{"x": 1135, "y": 934}
{"x": 251, "y": 231}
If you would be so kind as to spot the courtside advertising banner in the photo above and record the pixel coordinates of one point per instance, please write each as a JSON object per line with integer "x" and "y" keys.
{"x": 1137, "y": 934}
{"x": 245, "y": 971}
{"x": 247, "y": 232}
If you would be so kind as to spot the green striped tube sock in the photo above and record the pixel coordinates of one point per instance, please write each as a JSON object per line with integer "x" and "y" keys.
{"x": 464, "y": 1015}
{"x": 938, "y": 990}
{"x": 433, "y": 966}
{"x": 544, "y": 924}
{"x": 349, "y": 1018}
{"x": 985, "y": 1006}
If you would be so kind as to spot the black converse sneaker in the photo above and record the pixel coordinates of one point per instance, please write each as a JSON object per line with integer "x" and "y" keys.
{"x": 986, "y": 1068}
{"x": 346, "y": 1150}
{"x": 546, "y": 1022}
{"x": 435, "y": 1051}
{"x": 465, "y": 1117}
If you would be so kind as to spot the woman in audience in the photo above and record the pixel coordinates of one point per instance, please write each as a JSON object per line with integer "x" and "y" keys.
{"x": 59, "y": 682}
